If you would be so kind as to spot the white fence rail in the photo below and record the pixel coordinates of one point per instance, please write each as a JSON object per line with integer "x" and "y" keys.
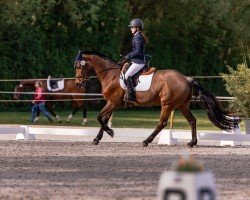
{"x": 169, "y": 137}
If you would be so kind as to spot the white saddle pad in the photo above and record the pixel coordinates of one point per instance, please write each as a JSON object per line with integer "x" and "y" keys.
{"x": 60, "y": 85}
{"x": 143, "y": 85}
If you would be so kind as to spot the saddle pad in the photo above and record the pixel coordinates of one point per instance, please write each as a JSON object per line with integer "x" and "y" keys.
{"x": 60, "y": 85}
{"x": 143, "y": 85}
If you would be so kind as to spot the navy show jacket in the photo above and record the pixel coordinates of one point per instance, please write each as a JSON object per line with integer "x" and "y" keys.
{"x": 137, "y": 54}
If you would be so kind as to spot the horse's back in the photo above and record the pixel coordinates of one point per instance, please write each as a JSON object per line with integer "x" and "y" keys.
{"x": 171, "y": 84}
{"x": 171, "y": 76}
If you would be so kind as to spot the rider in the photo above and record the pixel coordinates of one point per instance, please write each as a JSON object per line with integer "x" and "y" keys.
{"x": 136, "y": 56}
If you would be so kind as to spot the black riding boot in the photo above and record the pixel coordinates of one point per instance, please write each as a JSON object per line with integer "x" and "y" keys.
{"x": 130, "y": 93}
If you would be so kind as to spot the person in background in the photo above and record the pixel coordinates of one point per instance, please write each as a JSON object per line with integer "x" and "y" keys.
{"x": 39, "y": 103}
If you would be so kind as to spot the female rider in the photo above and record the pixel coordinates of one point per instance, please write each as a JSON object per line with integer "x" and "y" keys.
{"x": 137, "y": 57}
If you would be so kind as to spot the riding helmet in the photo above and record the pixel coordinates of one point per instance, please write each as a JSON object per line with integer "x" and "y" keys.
{"x": 136, "y": 23}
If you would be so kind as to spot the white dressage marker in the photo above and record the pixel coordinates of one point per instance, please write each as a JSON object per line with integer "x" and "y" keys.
{"x": 233, "y": 142}
{"x": 186, "y": 186}
{"x": 167, "y": 138}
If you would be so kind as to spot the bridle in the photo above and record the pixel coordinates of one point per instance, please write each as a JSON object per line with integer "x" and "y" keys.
{"x": 86, "y": 77}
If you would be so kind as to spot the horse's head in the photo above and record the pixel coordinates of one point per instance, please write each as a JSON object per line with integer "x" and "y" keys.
{"x": 23, "y": 86}
{"x": 18, "y": 89}
{"x": 82, "y": 72}
{"x": 88, "y": 62}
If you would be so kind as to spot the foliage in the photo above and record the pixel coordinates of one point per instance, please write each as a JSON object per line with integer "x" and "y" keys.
{"x": 238, "y": 85}
{"x": 189, "y": 164}
{"x": 197, "y": 37}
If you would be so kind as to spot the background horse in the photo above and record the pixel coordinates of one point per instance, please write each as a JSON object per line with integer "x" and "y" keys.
{"x": 69, "y": 87}
{"x": 169, "y": 89}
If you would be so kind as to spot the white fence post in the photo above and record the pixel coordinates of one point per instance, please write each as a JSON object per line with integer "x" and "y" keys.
{"x": 167, "y": 138}
{"x": 232, "y": 142}
{"x": 25, "y": 135}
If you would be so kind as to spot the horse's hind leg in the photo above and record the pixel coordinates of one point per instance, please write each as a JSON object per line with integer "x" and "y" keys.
{"x": 192, "y": 122}
{"x": 165, "y": 112}
{"x": 73, "y": 112}
{"x": 100, "y": 133}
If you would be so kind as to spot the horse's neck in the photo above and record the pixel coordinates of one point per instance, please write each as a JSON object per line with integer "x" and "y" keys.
{"x": 107, "y": 72}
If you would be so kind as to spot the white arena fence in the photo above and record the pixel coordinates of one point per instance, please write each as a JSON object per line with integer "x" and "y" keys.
{"x": 54, "y": 94}
{"x": 82, "y": 94}
{"x": 170, "y": 137}
{"x": 166, "y": 137}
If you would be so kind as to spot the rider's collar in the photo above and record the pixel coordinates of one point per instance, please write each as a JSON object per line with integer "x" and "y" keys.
{"x": 137, "y": 32}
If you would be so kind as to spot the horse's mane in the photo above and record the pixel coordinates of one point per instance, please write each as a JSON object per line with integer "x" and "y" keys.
{"x": 105, "y": 57}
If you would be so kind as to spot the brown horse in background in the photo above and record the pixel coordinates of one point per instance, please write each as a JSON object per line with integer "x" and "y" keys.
{"x": 69, "y": 87}
{"x": 170, "y": 90}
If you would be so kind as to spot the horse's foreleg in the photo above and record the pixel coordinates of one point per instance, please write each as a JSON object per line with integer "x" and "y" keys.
{"x": 107, "y": 110}
{"x": 165, "y": 112}
{"x": 100, "y": 133}
{"x": 192, "y": 122}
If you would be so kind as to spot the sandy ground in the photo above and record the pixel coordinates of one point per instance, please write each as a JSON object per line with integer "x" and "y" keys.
{"x": 45, "y": 169}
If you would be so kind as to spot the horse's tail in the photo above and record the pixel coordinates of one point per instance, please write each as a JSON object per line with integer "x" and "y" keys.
{"x": 217, "y": 115}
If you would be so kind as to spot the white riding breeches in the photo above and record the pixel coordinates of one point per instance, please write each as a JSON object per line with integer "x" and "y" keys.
{"x": 133, "y": 69}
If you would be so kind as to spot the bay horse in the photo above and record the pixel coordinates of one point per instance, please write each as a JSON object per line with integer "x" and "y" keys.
{"x": 169, "y": 89}
{"x": 69, "y": 87}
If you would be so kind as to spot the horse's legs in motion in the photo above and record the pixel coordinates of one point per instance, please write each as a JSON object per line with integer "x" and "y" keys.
{"x": 100, "y": 133}
{"x": 75, "y": 109}
{"x": 106, "y": 111}
{"x": 192, "y": 122}
{"x": 49, "y": 106}
{"x": 84, "y": 114}
{"x": 110, "y": 121}
{"x": 165, "y": 112}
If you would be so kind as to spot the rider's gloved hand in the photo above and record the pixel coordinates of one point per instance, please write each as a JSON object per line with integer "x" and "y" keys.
{"x": 122, "y": 61}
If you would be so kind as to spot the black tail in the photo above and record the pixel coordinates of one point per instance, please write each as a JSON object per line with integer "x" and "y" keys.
{"x": 217, "y": 115}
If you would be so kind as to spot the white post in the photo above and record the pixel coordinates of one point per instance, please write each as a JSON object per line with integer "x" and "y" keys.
{"x": 166, "y": 135}
{"x": 232, "y": 142}
{"x": 234, "y": 131}
{"x": 25, "y": 135}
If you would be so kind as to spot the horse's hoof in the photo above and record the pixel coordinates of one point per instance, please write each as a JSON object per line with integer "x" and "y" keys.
{"x": 191, "y": 144}
{"x": 95, "y": 142}
{"x": 110, "y": 132}
{"x": 144, "y": 144}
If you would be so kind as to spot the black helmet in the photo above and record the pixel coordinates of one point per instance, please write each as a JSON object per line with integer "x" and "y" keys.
{"x": 137, "y": 23}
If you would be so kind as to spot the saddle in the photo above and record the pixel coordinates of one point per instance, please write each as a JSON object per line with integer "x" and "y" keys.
{"x": 146, "y": 70}
{"x": 55, "y": 85}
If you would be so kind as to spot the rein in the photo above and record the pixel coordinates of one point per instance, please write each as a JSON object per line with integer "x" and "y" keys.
{"x": 105, "y": 70}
